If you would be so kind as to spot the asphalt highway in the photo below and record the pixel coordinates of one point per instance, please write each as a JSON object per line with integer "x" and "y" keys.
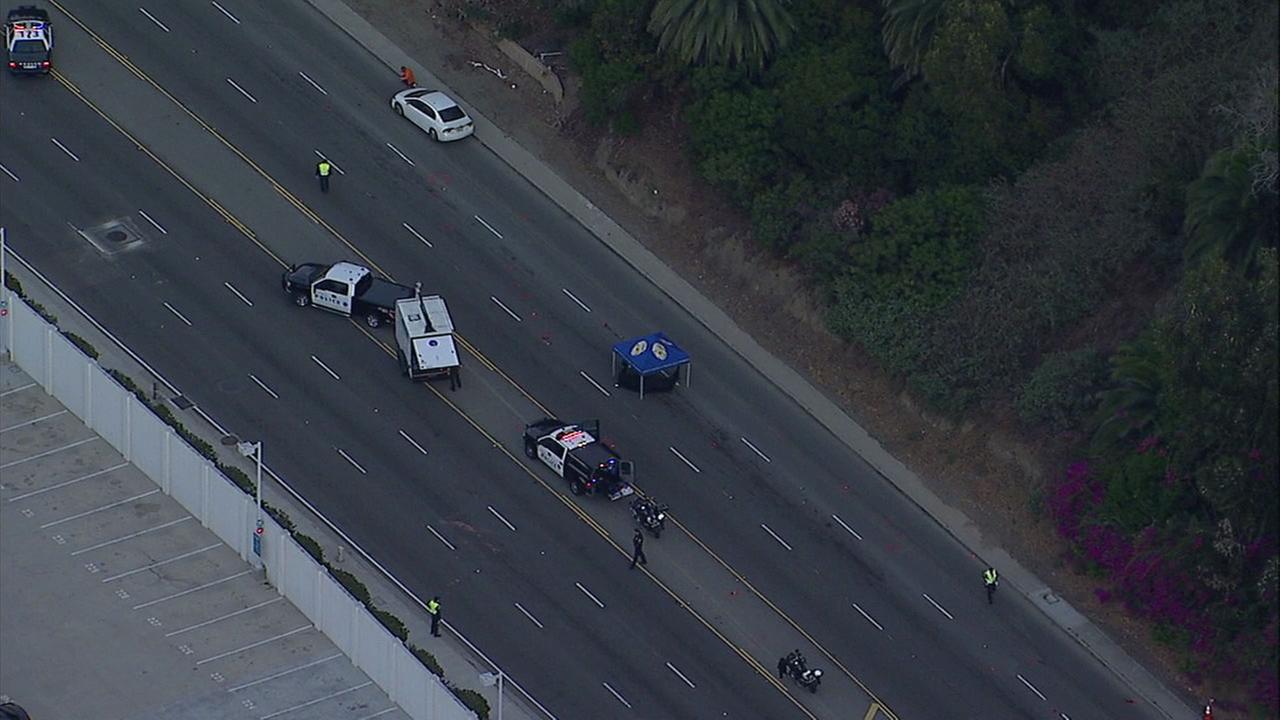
{"x": 785, "y": 537}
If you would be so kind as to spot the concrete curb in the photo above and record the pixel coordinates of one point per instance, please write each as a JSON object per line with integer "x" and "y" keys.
{"x": 826, "y": 412}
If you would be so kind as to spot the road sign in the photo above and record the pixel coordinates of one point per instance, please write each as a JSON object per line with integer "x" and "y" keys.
{"x": 257, "y": 544}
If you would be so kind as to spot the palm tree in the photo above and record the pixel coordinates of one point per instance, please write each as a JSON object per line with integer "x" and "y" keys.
{"x": 1129, "y": 407}
{"x": 1227, "y": 214}
{"x": 722, "y": 32}
{"x": 907, "y": 29}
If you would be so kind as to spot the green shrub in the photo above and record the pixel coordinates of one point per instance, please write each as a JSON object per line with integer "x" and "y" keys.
{"x": 733, "y": 136}
{"x": 1064, "y": 389}
{"x": 778, "y": 211}
{"x": 240, "y": 478}
{"x": 473, "y": 700}
{"x": 84, "y": 345}
{"x": 311, "y": 546}
{"x": 13, "y": 284}
{"x": 427, "y": 659}
{"x": 390, "y": 622}
{"x": 352, "y": 584}
{"x": 281, "y": 517}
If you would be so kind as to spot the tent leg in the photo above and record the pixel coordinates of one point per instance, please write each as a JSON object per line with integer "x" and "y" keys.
{"x": 613, "y": 367}
{"x": 642, "y": 387}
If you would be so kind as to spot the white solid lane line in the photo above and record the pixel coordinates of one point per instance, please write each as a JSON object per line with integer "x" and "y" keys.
{"x": 412, "y": 442}
{"x": 504, "y": 520}
{"x": 529, "y": 615}
{"x": 314, "y": 84}
{"x": 756, "y": 450}
{"x": 846, "y": 527}
{"x": 153, "y": 19}
{"x": 775, "y": 536}
{"x": 326, "y": 367}
{"x": 504, "y": 307}
{"x": 685, "y": 459}
{"x": 597, "y": 386}
{"x": 417, "y": 235}
{"x": 263, "y": 385}
{"x": 575, "y": 299}
{"x": 243, "y": 92}
{"x": 686, "y": 680}
{"x": 396, "y": 150}
{"x": 331, "y": 162}
{"x": 615, "y": 694}
{"x": 1031, "y": 687}
{"x": 234, "y": 19}
{"x": 64, "y": 149}
{"x": 239, "y": 294}
{"x": 157, "y": 225}
{"x": 441, "y": 538}
{"x": 868, "y": 617}
{"x": 940, "y": 608}
{"x": 344, "y": 454}
{"x": 8, "y": 172}
{"x": 488, "y": 226}
{"x": 587, "y": 592}
{"x": 181, "y": 317}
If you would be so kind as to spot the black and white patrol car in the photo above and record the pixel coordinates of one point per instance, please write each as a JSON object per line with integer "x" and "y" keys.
{"x": 28, "y": 39}
{"x": 574, "y": 452}
{"x": 347, "y": 289}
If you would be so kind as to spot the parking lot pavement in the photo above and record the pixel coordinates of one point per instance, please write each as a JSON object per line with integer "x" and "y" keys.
{"x": 116, "y": 603}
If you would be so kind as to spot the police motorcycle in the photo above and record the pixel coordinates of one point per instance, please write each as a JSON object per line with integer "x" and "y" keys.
{"x": 649, "y": 515}
{"x": 795, "y": 665}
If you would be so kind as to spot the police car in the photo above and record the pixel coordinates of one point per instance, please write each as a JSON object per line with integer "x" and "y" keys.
{"x": 28, "y": 37}
{"x": 574, "y": 452}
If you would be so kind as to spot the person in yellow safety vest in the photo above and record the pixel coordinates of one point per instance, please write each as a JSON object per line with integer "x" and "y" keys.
{"x": 433, "y": 608}
{"x": 323, "y": 168}
{"x": 990, "y": 578}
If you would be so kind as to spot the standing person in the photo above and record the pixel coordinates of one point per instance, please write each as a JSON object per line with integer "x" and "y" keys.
{"x": 323, "y": 168}
{"x": 406, "y": 77}
{"x": 433, "y": 608}
{"x": 990, "y": 578}
{"x": 637, "y": 556}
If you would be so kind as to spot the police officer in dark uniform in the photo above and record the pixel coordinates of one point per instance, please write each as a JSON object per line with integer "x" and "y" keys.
{"x": 637, "y": 556}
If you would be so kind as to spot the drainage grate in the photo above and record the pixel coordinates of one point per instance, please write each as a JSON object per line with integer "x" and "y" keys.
{"x": 114, "y": 236}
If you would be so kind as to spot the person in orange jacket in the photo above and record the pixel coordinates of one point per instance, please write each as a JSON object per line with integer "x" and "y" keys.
{"x": 406, "y": 77}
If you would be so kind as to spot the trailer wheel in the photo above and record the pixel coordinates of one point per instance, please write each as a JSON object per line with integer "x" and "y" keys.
{"x": 373, "y": 320}
{"x": 301, "y": 299}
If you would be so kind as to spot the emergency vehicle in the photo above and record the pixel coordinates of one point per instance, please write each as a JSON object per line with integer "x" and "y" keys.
{"x": 574, "y": 452}
{"x": 28, "y": 37}
{"x": 346, "y": 289}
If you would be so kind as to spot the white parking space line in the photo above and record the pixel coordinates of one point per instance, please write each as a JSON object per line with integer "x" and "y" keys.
{"x": 314, "y": 84}
{"x": 263, "y": 385}
{"x": 240, "y": 295}
{"x": 188, "y": 591}
{"x": 174, "y": 310}
{"x": 615, "y": 694}
{"x": 64, "y": 149}
{"x": 587, "y": 592}
{"x": 575, "y": 299}
{"x": 42, "y": 418}
{"x": 487, "y": 226}
{"x": 243, "y": 92}
{"x": 529, "y": 615}
{"x": 309, "y": 703}
{"x": 846, "y": 527}
{"x": 219, "y": 619}
{"x": 396, "y": 150}
{"x": 756, "y": 450}
{"x": 391, "y": 709}
{"x": 868, "y": 617}
{"x": 504, "y": 520}
{"x": 504, "y": 307}
{"x": 9, "y": 172}
{"x": 597, "y": 386}
{"x": 26, "y": 495}
{"x": 331, "y": 162}
{"x": 282, "y": 673}
{"x": 935, "y": 604}
{"x": 413, "y": 442}
{"x": 344, "y": 454}
{"x": 326, "y": 367}
{"x": 157, "y": 225}
{"x": 154, "y": 565}
{"x": 441, "y": 538}
{"x": 251, "y": 646}
{"x": 417, "y": 235}
{"x": 775, "y": 536}
{"x": 117, "y": 503}
{"x": 1031, "y": 687}
{"x": 234, "y": 19}
{"x": 685, "y": 459}
{"x": 153, "y": 19}
{"x": 686, "y": 680}
{"x": 130, "y": 536}
{"x": 18, "y": 389}
{"x": 47, "y": 453}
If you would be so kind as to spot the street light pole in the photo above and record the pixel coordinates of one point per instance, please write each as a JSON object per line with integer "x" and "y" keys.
{"x": 254, "y": 450}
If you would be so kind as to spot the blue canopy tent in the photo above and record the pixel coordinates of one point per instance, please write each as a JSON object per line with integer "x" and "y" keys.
{"x": 653, "y": 357}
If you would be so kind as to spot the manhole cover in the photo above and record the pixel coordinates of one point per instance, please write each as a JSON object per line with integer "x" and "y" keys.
{"x": 117, "y": 236}
{"x": 113, "y": 236}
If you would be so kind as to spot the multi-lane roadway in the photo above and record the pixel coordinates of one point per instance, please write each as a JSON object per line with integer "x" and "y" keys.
{"x": 193, "y": 127}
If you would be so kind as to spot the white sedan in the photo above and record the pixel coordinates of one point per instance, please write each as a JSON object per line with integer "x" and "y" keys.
{"x": 434, "y": 112}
